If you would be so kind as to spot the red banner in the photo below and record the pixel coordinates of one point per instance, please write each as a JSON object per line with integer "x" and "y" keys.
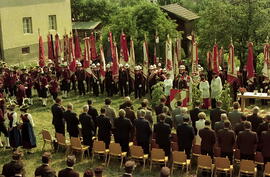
{"x": 179, "y": 95}
{"x": 50, "y": 48}
{"x": 232, "y": 74}
{"x": 41, "y": 53}
{"x": 72, "y": 65}
{"x": 215, "y": 59}
{"x": 250, "y": 67}
{"x": 78, "y": 51}
{"x": 87, "y": 53}
{"x": 124, "y": 47}
{"x": 93, "y": 47}
{"x": 57, "y": 50}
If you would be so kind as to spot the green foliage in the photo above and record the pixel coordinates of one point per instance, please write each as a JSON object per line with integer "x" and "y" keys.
{"x": 157, "y": 93}
{"x": 260, "y": 63}
{"x": 225, "y": 97}
{"x": 196, "y": 94}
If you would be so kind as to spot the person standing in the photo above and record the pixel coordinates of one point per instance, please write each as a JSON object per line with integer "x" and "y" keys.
{"x": 15, "y": 136}
{"x": 93, "y": 113}
{"x": 81, "y": 76}
{"x": 28, "y": 135}
{"x": 88, "y": 127}
{"x": 162, "y": 132}
{"x": 110, "y": 112}
{"x": 123, "y": 129}
{"x": 216, "y": 113}
{"x": 104, "y": 128}
{"x": 139, "y": 83}
{"x": 54, "y": 87}
{"x": 143, "y": 131}
{"x": 204, "y": 88}
{"x": 185, "y": 134}
{"x": 72, "y": 121}
{"x": 265, "y": 144}
{"x": 194, "y": 114}
{"x": 208, "y": 139}
{"x": 20, "y": 93}
{"x": 255, "y": 119}
{"x": 109, "y": 82}
{"x": 43, "y": 89}
{"x": 216, "y": 88}
{"x": 58, "y": 116}
{"x": 235, "y": 115}
{"x": 69, "y": 171}
{"x": 45, "y": 170}
{"x": 247, "y": 142}
{"x": 159, "y": 108}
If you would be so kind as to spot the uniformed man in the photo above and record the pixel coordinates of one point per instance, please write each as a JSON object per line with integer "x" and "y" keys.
{"x": 81, "y": 76}
{"x": 54, "y": 87}
{"x": 44, "y": 88}
{"x": 139, "y": 82}
{"x": 109, "y": 81}
{"x": 96, "y": 80}
{"x": 124, "y": 80}
{"x": 65, "y": 83}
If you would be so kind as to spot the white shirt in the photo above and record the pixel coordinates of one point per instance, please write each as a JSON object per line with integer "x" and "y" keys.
{"x": 216, "y": 87}
{"x": 204, "y": 88}
{"x": 15, "y": 121}
{"x": 30, "y": 119}
{"x": 168, "y": 84}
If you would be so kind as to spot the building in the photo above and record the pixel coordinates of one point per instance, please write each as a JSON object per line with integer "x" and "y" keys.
{"x": 185, "y": 20}
{"x": 20, "y": 21}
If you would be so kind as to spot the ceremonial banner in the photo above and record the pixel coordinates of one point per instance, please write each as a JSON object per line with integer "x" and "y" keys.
{"x": 179, "y": 95}
{"x": 92, "y": 45}
{"x": 209, "y": 60}
{"x": 78, "y": 51}
{"x": 72, "y": 64}
{"x": 215, "y": 63}
{"x": 266, "y": 66}
{"x": 145, "y": 59}
{"x": 175, "y": 60}
{"x": 156, "y": 50}
{"x": 132, "y": 60}
{"x": 66, "y": 50}
{"x": 124, "y": 55}
{"x": 115, "y": 66}
{"x": 232, "y": 73}
{"x": 57, "y": 49}
{"x": 250, "y": 66}
{"x": 50, "y": 47}
{"x": 169, "y": 57}
{"x": 221, "y": 57}
{"x": 41, "y": 61}
{"x": 178, "y": 50}
{"x": 195, "y": 59}
{"x": 87, "y": 53}
{"x": 102, "y": 63}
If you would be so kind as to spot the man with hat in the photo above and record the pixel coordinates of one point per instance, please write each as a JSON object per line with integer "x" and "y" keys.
{"x": 139, "y": 83}
{"x": 96, "y": 80}
{"x": 53, "y": 87}
{"x": 109, "y": 81}
{"x": 129, "y": 168}
{"x": 65, "y": 83}
{"x": 81, "y": 76}
{"x": 123, "y": 80}
{"x": 153, "y": 78}
{"x": 9, "y": 168}
{"x": 20, "y": 94}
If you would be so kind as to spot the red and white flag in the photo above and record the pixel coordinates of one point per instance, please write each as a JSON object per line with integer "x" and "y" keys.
{"x": 115, "y": 66}
{"x": 145, "y": 59}
{"x": 50, "y": 47}
{"x": 41, "y": 60}
{"x": 124, "y": 55}
{"x": 78, "y": 51}
{"x": 232, "y": 73}
{"x": 215, "y": 59}
{"x": 195, "y": 58}
{"x": 102, "y": 63}
{"x": 72, "y": 64}
{"x": 93, "y": 49}
{"x": 66, "y": 48}
{"x": 250, "y": 66}
{"x": 266, "y": 66}
{"x": 87, "y": 53}
{"x": 132, "y": 60}
{"x": 58, "y": 50}
{"x": 169, "y": 56}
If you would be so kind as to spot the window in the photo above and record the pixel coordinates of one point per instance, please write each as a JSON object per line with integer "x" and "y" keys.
{"x": 25, "y": 50}
{"x": 52, "y": 22}
{"x": 27, "y": 25}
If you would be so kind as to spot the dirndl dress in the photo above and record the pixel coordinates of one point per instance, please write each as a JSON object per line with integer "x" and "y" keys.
{"x": 28, "y": 136}
{"x": 15, "y": 137}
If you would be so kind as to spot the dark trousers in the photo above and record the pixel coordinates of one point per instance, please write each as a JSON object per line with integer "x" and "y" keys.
{"x": 123, "y": 143}
{"x": 213, "y": 103}
{"x": 81, "y": 88}
{"x": 186, "y": 149}
{"x": 166, "y": 148}
{"x": 207, "y": 152}
{"x": 54, "y": 95}
{"x": 3, "y": 129}
{"x": 123, "y": 87}
{"x": 145, "y": 146}
{"x": 247, "y": 156}
{"x": 106, "y": 140}
{"x": 96, "y": 89}
{"x": 138, "y": 92}
{"x": 60, "y": 129}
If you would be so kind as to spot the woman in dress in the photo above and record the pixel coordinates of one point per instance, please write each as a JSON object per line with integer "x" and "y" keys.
{"x": 28, "y": 136}
{"x": 14, "y": 131}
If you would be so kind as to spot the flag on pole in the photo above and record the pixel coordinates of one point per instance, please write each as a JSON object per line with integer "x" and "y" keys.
{"x": 132, "y": 60}
{"x": 41, "y": 53}
{"x": 209, "y": 60}
{"x": 221, "y": 57}
{"x": 57, "y": 47}
{"x": 195, "y": 58}
{"x": 266, "y": 66}
{"x": 250, "y": 67}
{"x": 93, "y": 49}
{"x": 87, "y": 53}
{"x": 72, "y": 64}
{"x": 124, "y": 55}
{"x": 179, "y": 50}
{"x": 145, "y": 58}
{"x": 102, "y": 63}
{"x": 215, "y": 63}
{"x": 50, "y": 47}
{"x": 78, "y": 51}
{"x": 156, "y": 50}
{"x": 115, "y": 66}
{"x": 169, "y": 57}
{"x": 66, "y": 46}
{"x": 175, "y": 60}
{"x": 232, "y": 73}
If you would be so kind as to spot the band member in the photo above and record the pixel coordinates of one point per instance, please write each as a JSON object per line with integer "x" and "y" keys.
{"x": 204, "y": 88}
{"x": 28, "y": 88}
{"x": 96, "y": 80}
{"x": 65, "y": 83}
{"x": 123, "y": 80}
{"x": 139, "y": 82}
{"x": 216, "y": 88}
{"x": 43, "y": 89}
{"x": 54, "y": 87}
{"x": 81, "y": 76}
{"x": 20, "y": 94}
{"x": 109, "y": 82}
{"x": 12, "y": 83}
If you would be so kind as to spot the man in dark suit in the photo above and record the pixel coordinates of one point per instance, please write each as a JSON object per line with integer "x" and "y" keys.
{"x": 235, "y": 115}
{"x": 220, "y": 124}
{"x": 123, "y": 128}
{"x": 265, "y": 144}
{"x": 69, "y": 172}
{"x": 104, "y": 128}
{"x": 226, "y": 140}
{"x": 185, "y": 134}
{"x": 158, "y": 108}
{"x": 208, "y": 139}
{"x": 72, "y": 121}
{"x": 45, "y": 170}
{"x": 93, "y": 113}
{"x": 143, "y": 131}
{"x": 247, "y": 142}
{"x": 255, "y": 119}
{"x": 194, "y": 114}
{"x": 240, "y": 126}
{"x": 88, "y": 127}
{"x": 9, "y": 168}
{"x": 216, "y": 113}
{"x": 162, "y": 132}
{"x": 58, "y": 119}
{"x": 263, "y": 126}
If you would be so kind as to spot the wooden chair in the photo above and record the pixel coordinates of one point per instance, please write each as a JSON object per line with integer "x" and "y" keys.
{"x": 223, "y": 165}
{"x": 47, "y": 138}
{"x": 248, "y": 168}
{"x": 136, "y": 153}
{"x": 196, "y": 150}
{"x": 205, "y": 164}
{"x": 77, "y": 146}
{"x": 180, "y": 159}
{"x": 99, "y": 148}
{"x": 158, "y": 157}
{"x": 61, "y": 141}
{"x": 236, "y": 156}
{"x": 259, "y": 159}
{"x": 115, "y": 151}
{"x": 266, "y": 170}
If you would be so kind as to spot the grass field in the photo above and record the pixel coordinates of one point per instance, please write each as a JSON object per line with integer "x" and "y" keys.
{"x": 43, "y": 118}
